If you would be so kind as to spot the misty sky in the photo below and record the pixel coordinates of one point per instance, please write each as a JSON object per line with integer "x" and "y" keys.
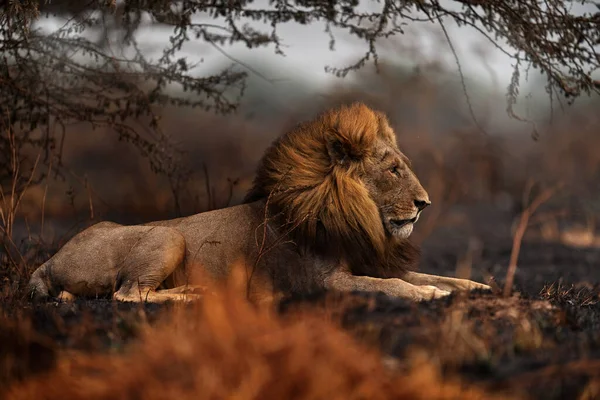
{"x": 307, "y": 52}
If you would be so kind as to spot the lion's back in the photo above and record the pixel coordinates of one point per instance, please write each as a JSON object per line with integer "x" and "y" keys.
{"x": 215, "y": 240}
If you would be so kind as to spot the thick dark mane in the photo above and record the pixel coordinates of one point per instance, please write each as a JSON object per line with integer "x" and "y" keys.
{"x": 310, "y": 178}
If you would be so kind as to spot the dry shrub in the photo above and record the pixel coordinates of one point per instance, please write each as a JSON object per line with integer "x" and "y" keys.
{"x": 23, "y": 353}
{"x": 467, "y": 332}
{"x": 224, "y": 347}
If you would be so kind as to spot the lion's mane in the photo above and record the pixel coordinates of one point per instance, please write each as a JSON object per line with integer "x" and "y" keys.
{"x": 309, "y": 178}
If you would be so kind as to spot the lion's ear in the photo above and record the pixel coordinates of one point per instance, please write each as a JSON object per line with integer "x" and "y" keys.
{"x": 343, "y": 152}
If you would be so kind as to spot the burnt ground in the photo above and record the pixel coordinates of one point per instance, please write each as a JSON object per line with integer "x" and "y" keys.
{"x": 543, "y": 341}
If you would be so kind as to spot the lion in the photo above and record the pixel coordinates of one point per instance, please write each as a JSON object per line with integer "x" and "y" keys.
{"x": 331, "y": 207}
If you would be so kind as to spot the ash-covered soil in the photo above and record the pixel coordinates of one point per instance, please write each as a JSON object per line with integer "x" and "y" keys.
{"x": 543, "y": 341}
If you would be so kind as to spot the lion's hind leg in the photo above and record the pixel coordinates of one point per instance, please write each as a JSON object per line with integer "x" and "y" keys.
{"x": 66, "y": 297}
{"x": 186, "y": 289}
{"x": 155, "y": 256}
{"x": 154, "y": 296}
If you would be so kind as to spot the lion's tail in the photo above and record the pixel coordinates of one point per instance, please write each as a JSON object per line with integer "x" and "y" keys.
{"x": 37, "y": 287}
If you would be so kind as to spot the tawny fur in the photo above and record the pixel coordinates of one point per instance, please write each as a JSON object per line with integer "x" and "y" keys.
{"x": 332, "y": 205}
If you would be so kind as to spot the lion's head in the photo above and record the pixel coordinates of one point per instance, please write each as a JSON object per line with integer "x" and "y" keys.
{"x": 343, "y": 186}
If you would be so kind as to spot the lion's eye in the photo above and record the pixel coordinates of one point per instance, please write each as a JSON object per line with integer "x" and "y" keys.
{"x": 395, "y": 170}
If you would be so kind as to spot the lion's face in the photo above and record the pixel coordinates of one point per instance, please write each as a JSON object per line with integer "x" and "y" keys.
{"x": 395, "y": 189}
{"x": 344, "y": 184}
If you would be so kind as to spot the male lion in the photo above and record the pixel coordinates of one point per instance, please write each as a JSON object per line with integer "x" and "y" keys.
{"x": 331, "y": 207}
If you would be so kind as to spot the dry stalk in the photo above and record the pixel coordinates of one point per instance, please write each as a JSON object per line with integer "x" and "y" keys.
{"x": 44, "y": 199}
{"x": 540, "y": 199}
{"x": 10, "y": 203}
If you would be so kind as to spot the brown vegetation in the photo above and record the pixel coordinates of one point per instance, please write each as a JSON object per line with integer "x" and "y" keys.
{"x": 226, "y": 348}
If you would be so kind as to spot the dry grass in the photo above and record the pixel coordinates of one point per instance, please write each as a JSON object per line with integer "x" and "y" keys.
{"x": 225, "y": 347}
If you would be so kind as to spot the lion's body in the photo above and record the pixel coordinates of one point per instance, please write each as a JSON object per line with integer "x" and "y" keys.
{"x": 331, "y": 207}
{"x": 108, "y": 257}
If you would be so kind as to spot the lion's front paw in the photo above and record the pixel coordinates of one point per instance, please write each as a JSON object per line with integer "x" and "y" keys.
{"x": 453, "y": 284}
{"x": 477, "y": 285}
{"x": 427, "y": 292}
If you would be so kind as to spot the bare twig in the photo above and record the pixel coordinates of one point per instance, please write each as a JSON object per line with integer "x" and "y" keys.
{"x": 90, "y": 201}
{"x": 209, "y": 191}
{"x": 541, "y": 198}
{"x": 462, "y": 77}
{"x": 44, "y": 199}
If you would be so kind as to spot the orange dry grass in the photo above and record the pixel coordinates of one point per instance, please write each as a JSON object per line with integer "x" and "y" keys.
{"x": 227, "y": 348}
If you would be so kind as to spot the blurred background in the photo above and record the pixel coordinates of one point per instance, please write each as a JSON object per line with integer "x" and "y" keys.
{"x": 481, "y": 162}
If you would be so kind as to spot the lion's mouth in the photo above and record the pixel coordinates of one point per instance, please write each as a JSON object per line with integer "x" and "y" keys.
{"x": 399, "y": 223}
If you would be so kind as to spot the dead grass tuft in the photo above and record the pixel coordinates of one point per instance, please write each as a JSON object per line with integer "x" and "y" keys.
{"x": 225, "y": 347}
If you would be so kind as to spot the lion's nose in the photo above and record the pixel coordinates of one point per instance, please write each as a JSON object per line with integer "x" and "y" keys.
{"x": 421, "y": 204}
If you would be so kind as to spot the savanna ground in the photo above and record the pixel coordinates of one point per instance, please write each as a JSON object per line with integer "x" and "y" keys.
{"x": 541, "y": 341}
